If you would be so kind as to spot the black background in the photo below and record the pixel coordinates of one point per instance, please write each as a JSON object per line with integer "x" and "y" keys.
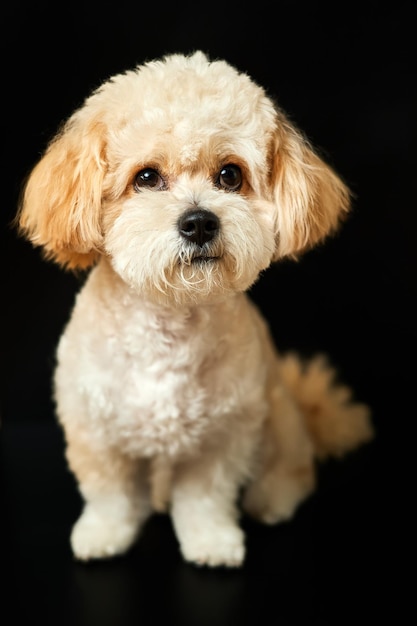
{"x": 346, "y": 74}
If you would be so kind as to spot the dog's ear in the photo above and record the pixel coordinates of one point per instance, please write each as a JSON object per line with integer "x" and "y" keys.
{"x": 310, "y": 199}
{"x": 61, "y": 201}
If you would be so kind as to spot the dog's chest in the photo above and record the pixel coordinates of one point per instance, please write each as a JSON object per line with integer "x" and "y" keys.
{"x": 161, "y": 398}
{"x": 154, "y": 384}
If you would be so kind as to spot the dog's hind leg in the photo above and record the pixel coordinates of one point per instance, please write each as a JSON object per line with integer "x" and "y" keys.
{"x": 117, "y": 502}
{"x": 285, "y": 473}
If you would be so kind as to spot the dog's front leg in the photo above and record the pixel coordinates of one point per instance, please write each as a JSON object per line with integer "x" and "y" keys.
{"x": 116, "y": 495}
{"x": 204, "y": 510}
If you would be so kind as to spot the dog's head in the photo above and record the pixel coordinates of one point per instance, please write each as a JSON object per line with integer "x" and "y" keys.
{"x": 187, "y": 176}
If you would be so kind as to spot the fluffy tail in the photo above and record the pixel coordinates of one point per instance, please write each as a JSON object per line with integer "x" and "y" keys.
{"x": 336, "y": 423}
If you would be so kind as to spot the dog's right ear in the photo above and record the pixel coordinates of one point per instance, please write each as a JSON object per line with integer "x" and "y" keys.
{"x": 61, "y": 202}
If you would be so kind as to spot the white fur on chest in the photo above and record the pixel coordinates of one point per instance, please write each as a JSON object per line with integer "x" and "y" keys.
{"x": 157, "y": 381}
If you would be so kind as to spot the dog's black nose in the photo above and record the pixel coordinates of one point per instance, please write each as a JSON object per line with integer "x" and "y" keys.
{"x": 198, "y": 226}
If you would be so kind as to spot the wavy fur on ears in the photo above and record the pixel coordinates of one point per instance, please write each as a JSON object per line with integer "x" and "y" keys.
{"x": 310, "y": 198}
{"x": 60, "y": 207}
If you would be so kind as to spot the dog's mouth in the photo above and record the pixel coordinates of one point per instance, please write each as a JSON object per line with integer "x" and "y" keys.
{"x": 200, "y": 256}
{"x": 203, "y": 259}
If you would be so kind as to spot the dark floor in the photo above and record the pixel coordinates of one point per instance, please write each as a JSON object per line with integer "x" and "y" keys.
{"x": 347, "y": 77}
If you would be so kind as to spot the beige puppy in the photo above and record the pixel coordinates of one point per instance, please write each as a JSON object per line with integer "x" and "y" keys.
{"x": 180, "y": 182}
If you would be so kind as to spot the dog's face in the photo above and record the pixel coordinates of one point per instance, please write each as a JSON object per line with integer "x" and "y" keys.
{"x": 187, "y": 177}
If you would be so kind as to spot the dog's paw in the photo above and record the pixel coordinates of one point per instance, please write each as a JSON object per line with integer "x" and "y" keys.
{"x": 95, "y": 536}
{"x": 215, "y": 547}
{"x": 277, "y": 495}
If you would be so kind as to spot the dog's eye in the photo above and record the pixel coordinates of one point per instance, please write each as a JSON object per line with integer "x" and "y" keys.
{"x": 230, "y": 178}
{"x": 149, "y": 178}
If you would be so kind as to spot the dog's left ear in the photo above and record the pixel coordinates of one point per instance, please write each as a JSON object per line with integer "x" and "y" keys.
{"x": 310, "y": 199}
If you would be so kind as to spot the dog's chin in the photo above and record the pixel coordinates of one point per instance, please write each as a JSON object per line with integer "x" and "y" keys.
{"x": 201, "y": 279}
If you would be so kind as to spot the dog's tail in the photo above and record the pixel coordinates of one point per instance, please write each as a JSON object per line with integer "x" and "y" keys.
{"x": 336, "y": 422}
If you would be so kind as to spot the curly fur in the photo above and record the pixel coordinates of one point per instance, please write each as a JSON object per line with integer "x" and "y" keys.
{"x": 169, "y": 389}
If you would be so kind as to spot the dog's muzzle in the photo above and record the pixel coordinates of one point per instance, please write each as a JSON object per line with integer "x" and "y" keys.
{"x": 199, "y": 227}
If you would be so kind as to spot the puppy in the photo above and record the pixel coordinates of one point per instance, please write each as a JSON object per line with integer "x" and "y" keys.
{"x": 178, "y": 183}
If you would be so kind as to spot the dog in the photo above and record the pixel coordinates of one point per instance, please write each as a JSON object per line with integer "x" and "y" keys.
{"x": 174, "y": 186}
